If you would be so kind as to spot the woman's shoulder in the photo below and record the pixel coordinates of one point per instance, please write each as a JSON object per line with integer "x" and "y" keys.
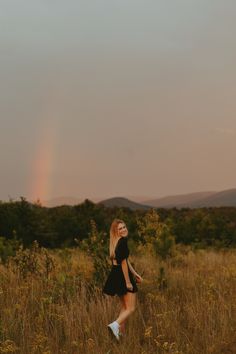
{"x": 122, "y": 250}
{"x": 122, "y": 239}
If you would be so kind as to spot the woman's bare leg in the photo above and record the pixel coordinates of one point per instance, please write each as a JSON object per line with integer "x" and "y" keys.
{"x": 130, "y": 305}
{"x": 123, "y": 308}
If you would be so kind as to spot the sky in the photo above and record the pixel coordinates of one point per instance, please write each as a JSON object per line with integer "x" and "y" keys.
{"x": 117, "y": 98}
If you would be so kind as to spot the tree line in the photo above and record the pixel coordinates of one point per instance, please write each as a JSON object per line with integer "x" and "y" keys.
{"x": 63, "y": 226}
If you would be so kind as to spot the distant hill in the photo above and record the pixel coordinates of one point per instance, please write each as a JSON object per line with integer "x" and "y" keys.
{"x": 123, "y": 202}
{"x": 67, "y": 201}
{"x": 62, "y": 201}
{"x": 139, "y": 198}
{"x": 178, "y": 200}
{"x": 197, "y": 200}
{"x": 190, "y": 200}
{"x": 110, "y": 202}
{"x": 223, "y": 198}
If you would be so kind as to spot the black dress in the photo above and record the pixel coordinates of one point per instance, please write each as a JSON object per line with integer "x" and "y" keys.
{"x": 115, "y": 283}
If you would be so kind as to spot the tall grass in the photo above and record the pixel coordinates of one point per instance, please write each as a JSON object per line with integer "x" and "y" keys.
{"x": 186, "y": 304}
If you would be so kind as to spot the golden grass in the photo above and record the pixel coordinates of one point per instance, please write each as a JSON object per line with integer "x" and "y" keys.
{"x": 189, "y": 308}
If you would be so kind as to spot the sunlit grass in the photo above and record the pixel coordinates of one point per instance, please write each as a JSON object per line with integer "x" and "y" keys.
{"x": 188, "y": 307}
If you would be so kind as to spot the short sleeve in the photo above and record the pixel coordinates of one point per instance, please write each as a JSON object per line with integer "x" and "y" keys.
{"x": 122, "y": 250}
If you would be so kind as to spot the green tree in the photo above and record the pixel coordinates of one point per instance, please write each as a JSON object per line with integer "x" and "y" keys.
{"x": 96, "y": 246}
{"x": 158, "y": 234}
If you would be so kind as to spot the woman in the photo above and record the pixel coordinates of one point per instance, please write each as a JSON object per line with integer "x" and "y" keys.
{"x": 122, "y": 278}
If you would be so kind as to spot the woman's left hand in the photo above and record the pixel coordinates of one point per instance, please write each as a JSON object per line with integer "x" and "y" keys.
{"x": 138, "y": 278}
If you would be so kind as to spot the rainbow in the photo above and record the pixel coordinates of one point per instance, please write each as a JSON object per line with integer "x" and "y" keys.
{"x": 40, "y": 186}
{"x": 42, "y": 168}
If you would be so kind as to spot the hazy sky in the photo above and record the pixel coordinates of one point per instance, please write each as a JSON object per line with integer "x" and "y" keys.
{"x": 117, "y": 98}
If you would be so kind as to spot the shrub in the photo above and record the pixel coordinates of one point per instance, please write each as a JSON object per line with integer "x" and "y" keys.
{"x": 96, "y": 246}
{"x": 158, "y": 234}
{"x": 8, "y": 248}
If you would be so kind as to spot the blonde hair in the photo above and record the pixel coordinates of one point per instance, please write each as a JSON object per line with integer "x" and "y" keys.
{"x": 114, "y": 236}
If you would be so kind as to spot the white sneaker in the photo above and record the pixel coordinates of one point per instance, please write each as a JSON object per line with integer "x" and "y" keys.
{"x": 114, "y": 328}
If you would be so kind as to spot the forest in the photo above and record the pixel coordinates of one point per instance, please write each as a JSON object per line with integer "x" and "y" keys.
{"x": 58, "y": 227}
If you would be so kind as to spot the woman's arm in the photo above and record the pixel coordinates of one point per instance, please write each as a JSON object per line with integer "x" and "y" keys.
{"x": 131, "y": 268}
{"x": 124, "y": 267}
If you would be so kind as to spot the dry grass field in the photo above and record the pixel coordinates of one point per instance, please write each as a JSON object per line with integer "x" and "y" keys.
{"x": 186, "y": 304}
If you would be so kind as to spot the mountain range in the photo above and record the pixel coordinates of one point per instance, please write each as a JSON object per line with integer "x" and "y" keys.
{"x": 190, "y": 200}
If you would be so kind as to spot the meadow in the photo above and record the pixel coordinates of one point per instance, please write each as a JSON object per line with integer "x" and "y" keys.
{"x": 51, "y": 304}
